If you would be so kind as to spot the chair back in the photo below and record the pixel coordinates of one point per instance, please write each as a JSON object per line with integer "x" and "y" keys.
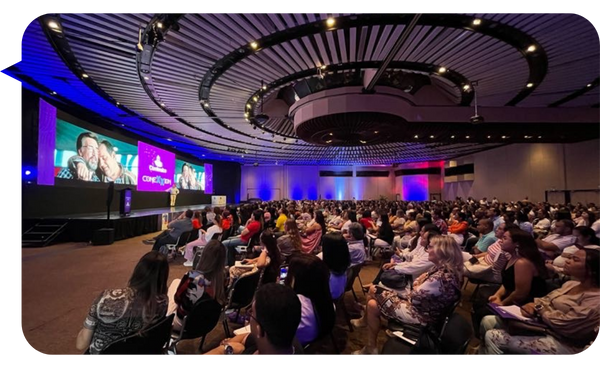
{"x": 456, "y": 336}
{"x": 216, "y": 236}
{"x": 226, "y": 233}
{"x": 151, "y": 340}
{"x": 243, "y": 289}
{"x": 255, "y": 239}
{"x": 203, "y": 317}
{"x": 352, "y": 274}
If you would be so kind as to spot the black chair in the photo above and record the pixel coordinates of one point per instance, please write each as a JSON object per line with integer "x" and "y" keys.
{"x": 241, "y": 295}
{"x": 226, "y": 234}
{"x": 454, "y": 339}
{"x": 415, "y": 332}
{"x": 151, "y": 340}
{"x": 351, "y": 275}
{"x": 201, "y": 320}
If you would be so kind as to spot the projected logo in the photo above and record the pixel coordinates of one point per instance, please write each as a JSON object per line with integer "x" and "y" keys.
{"x": 156, "y": 168}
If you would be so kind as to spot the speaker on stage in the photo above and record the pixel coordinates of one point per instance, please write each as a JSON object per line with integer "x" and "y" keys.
{"x": 103, "y": 236}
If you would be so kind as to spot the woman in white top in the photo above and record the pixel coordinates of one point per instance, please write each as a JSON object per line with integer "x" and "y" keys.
{"x": 204, "y": 237}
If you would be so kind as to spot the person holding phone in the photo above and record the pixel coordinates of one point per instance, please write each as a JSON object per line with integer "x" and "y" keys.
{"x": 269, "y": 260}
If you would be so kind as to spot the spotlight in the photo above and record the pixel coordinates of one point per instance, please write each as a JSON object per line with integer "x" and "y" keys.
{"x": 529, "y": 85}
{"x": 330, "y": 22}
{"x": 476, "y": 22}
{"x": 254, "y": 45}
{"x": 442, "y": 70}
{"x": 531, "y": 48}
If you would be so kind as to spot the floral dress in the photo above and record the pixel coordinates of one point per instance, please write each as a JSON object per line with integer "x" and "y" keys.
{"x": 432, "y": 294}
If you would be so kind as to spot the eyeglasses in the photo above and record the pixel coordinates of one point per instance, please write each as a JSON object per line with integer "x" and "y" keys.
{"x": 251, "y": 315}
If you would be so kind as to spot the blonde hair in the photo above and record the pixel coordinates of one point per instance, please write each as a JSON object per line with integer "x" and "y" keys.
{"x": 448, "y": 253}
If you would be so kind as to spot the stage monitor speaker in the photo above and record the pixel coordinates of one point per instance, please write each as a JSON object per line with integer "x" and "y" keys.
{"x": 103, "y": 236}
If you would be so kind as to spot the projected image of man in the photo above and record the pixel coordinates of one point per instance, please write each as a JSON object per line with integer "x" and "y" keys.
{"x": 83, "y": 165}
{"x": 110, "y": 169}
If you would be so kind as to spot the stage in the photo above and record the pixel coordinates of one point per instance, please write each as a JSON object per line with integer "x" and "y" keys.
{"x": 81, "y": 227}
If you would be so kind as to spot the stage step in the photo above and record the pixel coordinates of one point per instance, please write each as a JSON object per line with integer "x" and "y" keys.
{"x": 43, "y": 233}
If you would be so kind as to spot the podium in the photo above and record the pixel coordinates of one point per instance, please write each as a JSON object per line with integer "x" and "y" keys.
{"x": 125, "y": 202}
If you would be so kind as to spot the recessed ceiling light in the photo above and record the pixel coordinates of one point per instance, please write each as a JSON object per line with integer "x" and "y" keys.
{"x": 431, "y": 136}
{"x": 248, "y": 106}
{"x": 589, "y": 85}
{"x": 442, "y": 70}
{"x": 527, "y": 137}
{"x": 53, "y": 93}
{"x": 329, "y": 141}
{"x": 539, "y": 136}
{"x": 255, "y": 98}
{"x": 452, "y": 136}
{"x": 254, "y": 45}
{"x": 466, "y": 87}
{"x": 206, "y": 104}
{"x": 159, "y": 24}
{"x": 323, "y": 67}
{"x": 376, "y": 132}
{"x": 264, "y": 87}
{"x": 118, "y": 103}
{"x": 169, "y": 139}
{"x": 245, "y": 114}
{"x": 330, "y": 22}
{"x": 529, "y": 85}
{"x": 489, "y": 136}
{"x": 146, "y": 78}
{"x": 85, "y": 75}
{"x": 504, "y": 137}
{"x": 476, "y": 22}
{"x": 416, "y": 136}
{"x": 162, "y": 104}
{"x": 531, "y": 48}
{"x": 363, "y": 142}
{"x": 467, "y": 137}
{"x": 330, "y": 133}
{"x": 53, "y": 25}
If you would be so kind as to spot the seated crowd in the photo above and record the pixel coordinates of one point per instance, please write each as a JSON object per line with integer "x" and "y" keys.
{"x": 540, "y": 257}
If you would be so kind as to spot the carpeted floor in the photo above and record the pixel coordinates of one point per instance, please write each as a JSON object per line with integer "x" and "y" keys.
{"x": 61, "y": 281}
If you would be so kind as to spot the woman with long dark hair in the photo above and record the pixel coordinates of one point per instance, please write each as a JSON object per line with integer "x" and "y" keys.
{"x": 117, "y": 313}
{"x": 523, "y": 277}
{"x": 312, "y": 235}
{"x": 269, "y": 260}
{"x": 309, "y": 277}
{"x": 208, "y": 277}
{"x": 570, "y": 314}
{"x": 337, "y": 258}
{"x": 385, "y": 234}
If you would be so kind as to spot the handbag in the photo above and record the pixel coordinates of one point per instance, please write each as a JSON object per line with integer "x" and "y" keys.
{"x": 393, "y": 279}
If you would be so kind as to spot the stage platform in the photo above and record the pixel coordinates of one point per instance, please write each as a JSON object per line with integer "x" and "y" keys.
{"x": 81, "y": 227}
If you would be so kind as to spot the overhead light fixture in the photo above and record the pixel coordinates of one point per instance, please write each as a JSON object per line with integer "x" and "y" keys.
{"x": 248, "y": 106}
{"x": 85, "y": 75}
{"x": 476, "y": 22}
{"x": 442, "y": 70}
{"x": 466, "y": 88}
{"x": 254, "y": 45}
{"x": 363, "y": 142}
{"x": 323, "y": 67}
{"x": 416, "y": 136}
{"x": 203, "y": 155}
{"x": 529, "y": 85}
{"x": 539, "y": 136}
{"x": 53, "y": 93}
{"x": 330, "y": 22}
{"x": 245, "y": 114}
{"x": 589, "y": 85}
{"x": 264, "y": 87}
{"x": 329, "y": 141}
{"x": 504, "y": 137}
{"x": 468, "y": 137}
{"x": 531, "y": 48}
{"x": 206, "y": 104}
{"x": 146, "y": 78}
{"x": 159, "y": 24}
{"x": 255, "y": 98}
{"x": 376, "y": 132}
{"x": 53, "y": 25}
{"x": 262, "y": 117}
{"x": 527, "y": 137}
{"x": 452, "y": 136}
{"x": 489, "y": 136}
{"x": 431, "y": 136}
{"x": 162, "y": 104}
{"x": 118, "y": 103}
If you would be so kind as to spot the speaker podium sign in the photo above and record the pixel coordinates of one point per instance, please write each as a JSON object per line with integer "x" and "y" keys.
{"x": 219, "y": 201}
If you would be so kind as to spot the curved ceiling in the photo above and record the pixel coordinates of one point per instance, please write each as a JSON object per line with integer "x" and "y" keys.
{"x": 198, "y": 82}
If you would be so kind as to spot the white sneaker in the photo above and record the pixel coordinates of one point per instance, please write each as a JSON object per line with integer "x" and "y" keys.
{"x": 188, "y": 264}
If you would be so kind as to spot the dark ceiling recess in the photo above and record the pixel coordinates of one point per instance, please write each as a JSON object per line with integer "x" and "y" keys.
{"x": 369, "y": 128}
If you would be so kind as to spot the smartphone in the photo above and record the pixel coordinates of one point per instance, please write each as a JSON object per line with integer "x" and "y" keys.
{"x": 283, "y": 274}
{"x": 473, "y": 260}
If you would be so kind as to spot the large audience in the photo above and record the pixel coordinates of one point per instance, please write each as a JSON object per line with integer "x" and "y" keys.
{"x": 540, "y": 257}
